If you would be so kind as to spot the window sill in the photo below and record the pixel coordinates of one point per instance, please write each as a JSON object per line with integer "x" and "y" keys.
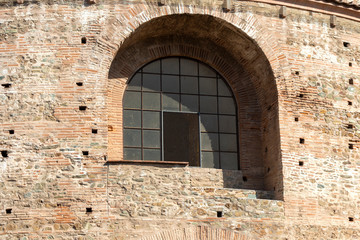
{"x": 149, "y": 162}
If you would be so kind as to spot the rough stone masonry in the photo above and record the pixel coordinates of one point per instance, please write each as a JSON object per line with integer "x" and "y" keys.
{"x": 293, "y": 67}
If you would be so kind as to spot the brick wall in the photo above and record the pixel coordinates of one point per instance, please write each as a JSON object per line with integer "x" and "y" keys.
{"x": 56, "y": 178}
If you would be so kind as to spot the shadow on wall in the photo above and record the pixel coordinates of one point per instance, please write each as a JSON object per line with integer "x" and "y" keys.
{"x": 237, "y": 58}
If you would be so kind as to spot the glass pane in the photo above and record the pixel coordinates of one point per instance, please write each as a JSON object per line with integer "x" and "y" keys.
{"x": 132, "y": 154}
{"x": 132, "y": 137}
{"x": 223, "y": 89}
{"x": 208, "y": 86}
{"x": 152, "y": 154}
{"x": 188, "y": 67}
{"x": 210, "y": 159}
{"x": 151, "y": 138}
{"x": 209, "y": 123}
{"x": 206, "y": 71}
{"x": 227, "y": 124}
{"x": 170, "y": 66}
{"x": 132, "y": 100}
{"x": 226, "y": 105}
{"x": 189, "y": 103}
{"x": 208, "y": 104}
{"x": 170, "y": 83}
{"x": 229, "y": 161}
{"x": 135, "y": 82}
{"x": 228, "y": 142}
{"x": 151, "y": 119}
{"x": 189, "y": 85}
{"x": 151, "y": 82}
{"x": 153, "y": 67}
{"x": 171, "y": 101}
{"x": 209, "y": 141}
{"x": 132, "y": 118}
{"x": 151, "y": 101}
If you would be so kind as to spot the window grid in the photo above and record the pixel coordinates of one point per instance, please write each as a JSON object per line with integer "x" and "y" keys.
{"x": 180, "y": 94}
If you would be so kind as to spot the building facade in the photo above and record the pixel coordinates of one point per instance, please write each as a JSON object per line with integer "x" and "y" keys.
{"x": 179, "y": 120}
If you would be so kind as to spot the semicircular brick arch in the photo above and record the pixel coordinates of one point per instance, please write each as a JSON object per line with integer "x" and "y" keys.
{"x": 218, "y": 42}
{"x": 198, "y": 233}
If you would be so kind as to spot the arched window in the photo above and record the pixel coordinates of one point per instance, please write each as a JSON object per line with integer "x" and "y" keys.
{"x": 179, "y": 109}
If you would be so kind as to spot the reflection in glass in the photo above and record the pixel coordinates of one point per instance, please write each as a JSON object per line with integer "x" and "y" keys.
{"x": 209, "y": 141}
{"x": 208, "y": 86}
{"x": 151, "y": 119}
{"x": 171, "y": 101}
{"x": 132, "y": 100}
{"x": 132, "y": 137}
{"x": 151, "y": 138}
{"x": 188, "y": 67}
{"x": 189, "y": 85}
{"x": 132, "y": 118}
{"x": 151, "y": 101}
{"x": 132, "y": 153}
{"x": 151, "y": 82}
{"x": 152, "y": 154}
{"x": 210, "y": 159}
{"x": 189, "y": 103}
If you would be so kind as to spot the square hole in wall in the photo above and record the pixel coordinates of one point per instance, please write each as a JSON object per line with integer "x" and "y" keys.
{"x": 351, "y": 81}
{"x": 301, "y": 163}
{"x": 11, "y": 131}
{"x": 8, "y": 210}
{"x": 346, "y": 44}
{"x": 351, "y": 219}
{"x": 349, "y": 103}
{"x": 302, "y": 140}
{"x": 351, "y": 146}
{"x": 89, "y": 210}
{"x": 4, "y": 153}
{"x": 79, "y": 84}
{"x": 296, "y": 119}
{"x": 219, "y": 214}
{"x": 83, "y": 40}
{"x": 94, "y": 131}
{"x": 85, "y": 153}
{"x": 82, "y": 108}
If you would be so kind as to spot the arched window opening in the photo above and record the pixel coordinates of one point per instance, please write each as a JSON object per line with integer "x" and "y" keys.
{"x": 179, "y": 109}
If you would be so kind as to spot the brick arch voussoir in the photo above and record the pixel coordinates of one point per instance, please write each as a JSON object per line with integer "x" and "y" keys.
{"x": 142, "y": 13}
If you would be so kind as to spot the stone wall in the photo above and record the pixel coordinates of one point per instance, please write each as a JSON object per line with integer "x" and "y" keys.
{"x": 55, "y": 178}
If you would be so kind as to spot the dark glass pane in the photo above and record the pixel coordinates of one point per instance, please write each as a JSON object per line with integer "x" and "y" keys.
{"x": 151, "y": 101}
{"x": 209, "y": 123}
{"x": 170, "y": 83}
{"x": 229, "y": 161}
{"x": 209, "y": 141}
{"x": 151, "y": 82}
{"x": 189, "y": 85}
{"x": 132, "y": 100}
{"x": 227, "y": 105}
{"x": 227, "y": 124}
{"x": 210, "y": 159}
{"x": 228, "y": 142}
{"x": 153, "y": 67}
{"x": 188, "y": 67}
{"x": 208, "y": 86}
{"x": 189, "y": 103}
{"x": 171, "y": 101}
{"x": 135, "y": 83}
{"x": 151, "y": 138}
{"x": 208, "y": 104}
{"x": 170, "y": 66}
{"x": 132, "y": 137}
{"x": 151, "y": 119}
{"x": 205, "y": 71}
{"x": 223, "y": 89}
{"x": 132, "y": 118}
{"x": 132, "y": 154}
{"x": 152, "y": 154}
